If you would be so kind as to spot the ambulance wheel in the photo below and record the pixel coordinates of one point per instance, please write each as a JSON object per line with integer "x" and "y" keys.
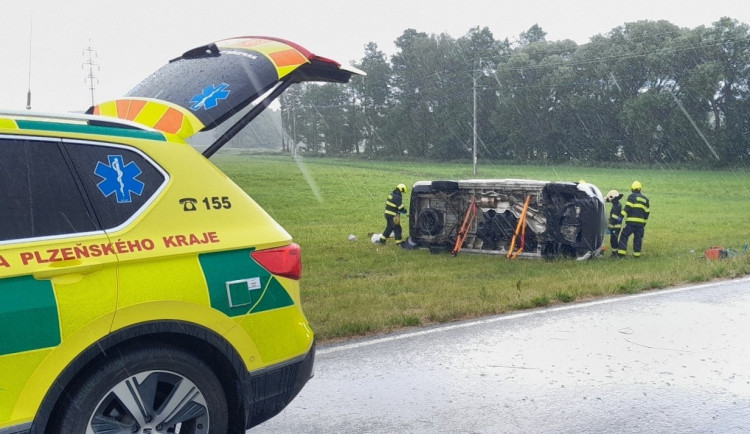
{"x": 149, "y": 389}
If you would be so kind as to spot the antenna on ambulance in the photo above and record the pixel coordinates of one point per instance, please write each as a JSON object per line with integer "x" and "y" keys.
{"x": 28, "y": 93}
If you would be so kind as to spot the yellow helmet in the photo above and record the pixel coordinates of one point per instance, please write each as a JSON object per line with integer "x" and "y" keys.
{"x": 636, "y": 186}
{"x": 401, "y": 188}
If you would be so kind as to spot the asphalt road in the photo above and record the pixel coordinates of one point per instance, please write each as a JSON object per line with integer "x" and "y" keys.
{"x": 667, "y": 361}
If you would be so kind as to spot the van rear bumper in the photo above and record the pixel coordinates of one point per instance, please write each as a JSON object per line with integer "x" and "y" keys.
{"x": 267, "y": 392}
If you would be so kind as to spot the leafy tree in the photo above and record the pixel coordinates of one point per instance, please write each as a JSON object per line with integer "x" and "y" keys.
{"x": 327, "y": 106}
{"x": 731, "y": 103}
{"x": 534, "y": 34}
{"x": 410, "y": 119}
{"x": 482, "y": 54}
{"x": 291, "y": 115}
{"x": 373, "y": 93}
{"x": 535, "y": 105}
{"x": 647, "y": 91}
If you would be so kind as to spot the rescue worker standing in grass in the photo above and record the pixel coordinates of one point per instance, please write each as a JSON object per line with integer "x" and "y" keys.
{"x": 614, "y": 224}
{"x": 394, "y": 207}
{"x": 634, "y": 216}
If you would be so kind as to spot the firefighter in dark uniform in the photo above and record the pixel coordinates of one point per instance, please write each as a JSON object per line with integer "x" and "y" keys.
{"x": 394, "y": 207}
{"x": 634, "y": 216}
{"x": 614, "y": 224}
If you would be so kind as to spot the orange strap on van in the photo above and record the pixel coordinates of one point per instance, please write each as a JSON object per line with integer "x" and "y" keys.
{"x": 471, "y": 215}
{"x": 520, "y": 227}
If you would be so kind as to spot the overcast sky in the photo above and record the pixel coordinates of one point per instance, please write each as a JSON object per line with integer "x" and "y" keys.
{"x": 44, "y": 40}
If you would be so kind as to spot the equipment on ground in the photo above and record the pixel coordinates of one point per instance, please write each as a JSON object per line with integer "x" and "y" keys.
{"x": 715, "y": 253}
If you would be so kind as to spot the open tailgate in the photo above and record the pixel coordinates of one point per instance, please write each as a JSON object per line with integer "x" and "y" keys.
{"x": 209, "y": 84}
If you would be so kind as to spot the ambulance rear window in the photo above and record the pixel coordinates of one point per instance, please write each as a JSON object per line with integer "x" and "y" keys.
{"x": 119, "y": 181}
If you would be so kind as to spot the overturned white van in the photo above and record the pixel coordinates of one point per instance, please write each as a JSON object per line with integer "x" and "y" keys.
{"x": 558, "y": 219}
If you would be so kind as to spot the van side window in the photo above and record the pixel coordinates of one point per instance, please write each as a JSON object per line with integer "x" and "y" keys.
{"x": 119, "y": 181}
{"x": 38, "y": 193}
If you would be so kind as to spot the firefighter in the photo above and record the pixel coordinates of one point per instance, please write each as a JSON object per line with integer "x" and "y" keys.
{"x": 394, "y": 207}
{"x": 614, "y": 224}
{"x": 634, "y": 216}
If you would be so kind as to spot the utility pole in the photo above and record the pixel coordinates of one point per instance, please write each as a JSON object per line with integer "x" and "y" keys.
{"x": 475, "y": 124}
{"x": 294, "y": 132}
{"x": 281, "y": 124}
{"x": 474, "y": 74}
{"x": 88, "y": 61}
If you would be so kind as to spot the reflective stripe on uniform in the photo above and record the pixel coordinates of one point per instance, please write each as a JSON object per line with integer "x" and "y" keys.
{"x": 636, "y": 210}
{"x": 638, "y": 205}
{"x": 635, "y": 220}
{"x": 393, "y": 204}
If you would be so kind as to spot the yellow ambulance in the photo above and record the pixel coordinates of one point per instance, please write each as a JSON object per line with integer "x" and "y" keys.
{"x": 141, "y": 290}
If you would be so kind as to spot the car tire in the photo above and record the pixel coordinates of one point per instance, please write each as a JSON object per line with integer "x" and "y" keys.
{"x": 161, "y": 388}
{"x": 430, "y": 221}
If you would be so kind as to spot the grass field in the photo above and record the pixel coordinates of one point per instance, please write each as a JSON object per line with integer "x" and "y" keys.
{"x": 358, "y": 288}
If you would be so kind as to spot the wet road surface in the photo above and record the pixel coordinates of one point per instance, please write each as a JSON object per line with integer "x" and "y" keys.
{"x": 666, "y": 361}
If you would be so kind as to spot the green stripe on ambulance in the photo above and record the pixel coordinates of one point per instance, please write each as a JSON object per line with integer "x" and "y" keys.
{"x": 238, "y": 285}
{"x": 28, "y": 315}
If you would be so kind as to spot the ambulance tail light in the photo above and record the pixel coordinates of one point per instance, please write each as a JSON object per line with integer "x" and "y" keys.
{"x": 283, "y": 261}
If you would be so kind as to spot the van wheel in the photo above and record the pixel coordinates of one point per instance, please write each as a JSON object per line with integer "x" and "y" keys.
{"x": 430, "y": 221}
{"x": 149, "y": 389}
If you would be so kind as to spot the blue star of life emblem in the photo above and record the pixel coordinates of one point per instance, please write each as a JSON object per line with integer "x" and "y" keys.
{"x": 210, "y": 97}
{"x": 119, "y": 178}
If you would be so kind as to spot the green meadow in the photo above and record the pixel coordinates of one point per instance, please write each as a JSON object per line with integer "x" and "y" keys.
{"x": 356, "y": 288}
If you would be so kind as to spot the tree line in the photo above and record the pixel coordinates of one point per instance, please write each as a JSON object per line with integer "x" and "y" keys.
{"x": 645, "y": 92}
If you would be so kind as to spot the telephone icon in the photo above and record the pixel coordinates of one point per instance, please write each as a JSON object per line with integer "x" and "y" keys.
{"x": 188, "y": 204}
